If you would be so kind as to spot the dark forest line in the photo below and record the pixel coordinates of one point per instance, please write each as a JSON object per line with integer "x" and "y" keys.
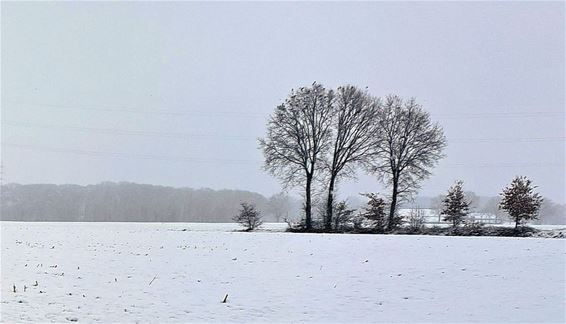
{"x": 124, "y": 202}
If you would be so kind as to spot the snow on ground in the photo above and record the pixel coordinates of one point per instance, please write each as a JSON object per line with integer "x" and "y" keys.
{"x": 127, "y": 272}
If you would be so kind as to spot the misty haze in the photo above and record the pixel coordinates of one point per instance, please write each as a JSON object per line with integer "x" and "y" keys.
{"x": 283, "y": 162}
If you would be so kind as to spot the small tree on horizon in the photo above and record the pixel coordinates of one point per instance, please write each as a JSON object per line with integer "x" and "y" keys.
{"x": 375, "y": 211}
{"x": 455, "y": 206}
{"x": 342, "y": 215}
{"x": 248, "y": 217}
{"x": 520, "y": 201}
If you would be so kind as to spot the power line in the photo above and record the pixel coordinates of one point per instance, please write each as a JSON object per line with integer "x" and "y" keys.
{"x": 128, "y": 155}
{"x": 508, "y": 139}
{"x": 249, "y": 114}
{"x": 114, "y": 131}
{"x": 507, "y": 165}
{"x": 243, "y": 162}
{"x": 533, "y": 114}
{"x": 194, "y": 113}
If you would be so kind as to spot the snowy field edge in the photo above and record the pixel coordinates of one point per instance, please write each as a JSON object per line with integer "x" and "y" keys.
{"x": 132, "y": 272}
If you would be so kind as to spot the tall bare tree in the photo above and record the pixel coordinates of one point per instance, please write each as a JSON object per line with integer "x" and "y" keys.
{"x": 279, "y": 205}
{"x": 353, "y": 123}
{"x": 298, "y": 138}
{"x": 407, "y": 145}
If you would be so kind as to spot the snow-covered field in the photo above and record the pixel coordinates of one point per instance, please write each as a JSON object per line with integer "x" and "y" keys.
{"x": 127, "y": 272}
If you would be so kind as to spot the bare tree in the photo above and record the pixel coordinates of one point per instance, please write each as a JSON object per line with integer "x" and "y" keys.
{"x": 298, "y": 137}
{"x": 279, "y": 205}
{"x": 416, "y": 220}
{"x": 353, "y": 123}
{"x": 474, "y": 200}
{"x": 248, "y": 217}
{"x": 520, "y": 201}
{"x": 343, "y": 216}
{"x": 436, "y": 206}
{"x": 407, "y": 145}
{"x": 491, "y": 207}
{"x": 552, "y": 213}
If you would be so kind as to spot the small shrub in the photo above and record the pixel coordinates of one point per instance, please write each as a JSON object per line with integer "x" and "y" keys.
{"x": 523, "y": 231}
{"x": 248, "y": 217}
{"x": 375, "y": 211}
{"x": 436, "y": 230}
{"x": 472, "y": 228}
{"x": 342, "y": 216}
{"x": 416, "y": 221}
{"x": 317, "y": 226}
{"x": 396, "y": 222}
{"x": 357, "y": 222}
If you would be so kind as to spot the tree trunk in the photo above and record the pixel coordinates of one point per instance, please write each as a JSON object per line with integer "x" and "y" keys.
{"x": 308, "y": 219}
{"x": 329, "y": 204}
{"x": 393, "y": 204}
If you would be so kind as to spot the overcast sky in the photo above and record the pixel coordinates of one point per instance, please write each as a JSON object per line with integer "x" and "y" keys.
{"x": 177, "y": 93}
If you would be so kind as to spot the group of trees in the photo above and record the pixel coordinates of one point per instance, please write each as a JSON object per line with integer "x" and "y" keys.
{"x": 318, "y": 135}
{"x": 518, "y": 200}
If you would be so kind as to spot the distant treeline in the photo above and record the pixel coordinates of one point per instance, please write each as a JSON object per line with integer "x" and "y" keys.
{"x": 124, "y": 202}
{"x": 130, "y": 202}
